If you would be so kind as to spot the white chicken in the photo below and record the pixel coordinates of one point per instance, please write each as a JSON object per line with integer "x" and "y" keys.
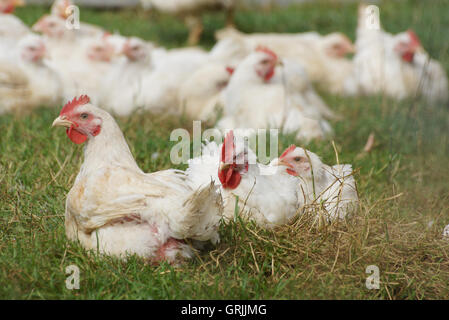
{"x": 149, "y": 78}
{"x": 395, "y": 65}
{"x": 268, "y": 199}
{"x": 117, "y": 208}
{"x": 300, "y": 92}
{"x": 11, "y": 27}
{"x": 323, "y": 57}
{"x": 423, "y": 75}
{"x": 331, "y": 189}
{"x": 63, "y": 41}
{"x": 84, "y": 71}
{"x": 83, "y": 60}
{"x": 88, "y": 68}
{"x": 230, "y": 51}
{"x": 65, "y": 45}
{"x": 190, "y": 11}
{"x": 121, "y": 87}
{"x": 65, "y": 8}
{"x": 54, "y": 28}
{"x": 377, "y": 67}
{"x": 252, "y": 101}
{"x": 160, "y": 89}
{"x": 201, "y": 94}
{"x": 433, "y": 81}
{"x": 26, "y": 79}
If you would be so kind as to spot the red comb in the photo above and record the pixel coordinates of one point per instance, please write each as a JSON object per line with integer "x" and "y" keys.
{"x": 69, "y": 106}
{"x": 413, "y": 37}
{"x": 267, "y": 51}
{"x": 8, "y": 9}
{"x": 230, "y": 70}
{"x": 287, "y": 151}
{"x": 227, "y": 150}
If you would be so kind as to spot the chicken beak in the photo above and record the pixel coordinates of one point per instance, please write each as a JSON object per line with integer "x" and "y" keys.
{"x": 37, "y": 27}
{"x": 350, "y": 48}
{"x": 62, "y": 121}
{"x": 224, "y": 166}
{"x": 420, "y": 49}
{"x": 281, "y": 162}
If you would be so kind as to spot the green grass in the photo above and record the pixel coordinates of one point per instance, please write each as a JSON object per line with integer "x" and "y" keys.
{"x": 403, "y": 185}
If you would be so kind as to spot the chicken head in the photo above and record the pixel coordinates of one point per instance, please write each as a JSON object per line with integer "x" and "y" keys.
{"x": 80, "y": 121}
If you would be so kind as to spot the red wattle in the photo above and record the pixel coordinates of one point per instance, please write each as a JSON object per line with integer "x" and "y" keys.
{"x": 291, "y": 172}
{"x": 9, "y": 9}
{"x": 76, "y": 136}
{"x": 229, "y": 178}
{"x": 234, "y": 180}
{"x": 269, "y": 75}
{"x": 408, "y": 56}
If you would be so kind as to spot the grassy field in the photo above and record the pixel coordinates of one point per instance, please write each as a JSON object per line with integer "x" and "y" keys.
{"x": 403, "y": 184}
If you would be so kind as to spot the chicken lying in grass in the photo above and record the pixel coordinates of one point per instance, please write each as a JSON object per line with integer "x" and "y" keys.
{"x": 300, "y": 92}
{"x": 393, "y": 64}
{"x": 87, "y": 72}
{"x": 122, "y": 84}
{"x": 424, "y": 76}
{"x": 27, "y": 80}
{"x": 322, "y": 56}
{"x": 11, "y": 27}
{"x": 67, "y": 51}
{"x": 148, "y": 78}
{"x": 268, "y": 199}
{"x": 254, "y": 100}
{"x": 116, "y": 207}
{"x": 289, "y": 72}
{"x": 327, "y": 189}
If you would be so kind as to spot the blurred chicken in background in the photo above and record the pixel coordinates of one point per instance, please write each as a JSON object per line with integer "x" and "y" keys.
{"x": 258, "y": 80}
{"x": 323, "y": 57}
{"x": 11, "y": 27}
{"x": 395, "y": 65}
{"x": 27, "y": 80}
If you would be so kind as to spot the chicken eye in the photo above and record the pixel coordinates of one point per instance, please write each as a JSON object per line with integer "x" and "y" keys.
{"x": 84, "y": 116}
{"x": 297, "y": 159}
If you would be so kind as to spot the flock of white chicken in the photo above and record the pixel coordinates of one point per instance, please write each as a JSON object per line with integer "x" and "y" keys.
{"x": 258, "y": 80}
{"x": 162, "y": 216}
